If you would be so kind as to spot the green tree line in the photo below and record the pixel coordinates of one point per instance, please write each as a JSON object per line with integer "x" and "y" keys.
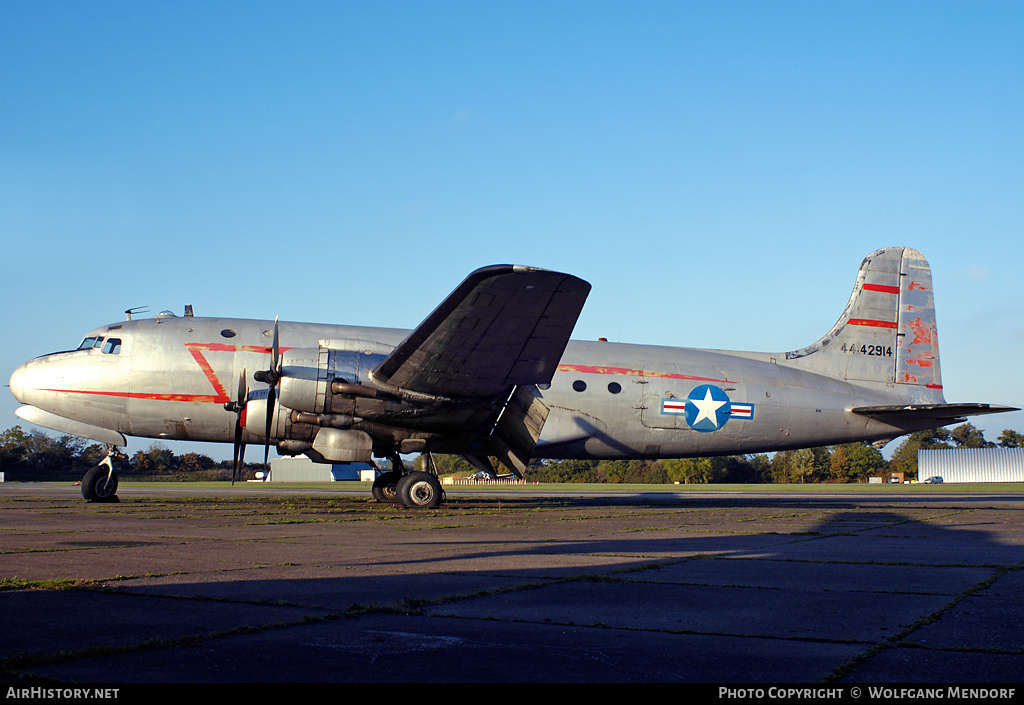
{"x": 849, "y": 462}
{"x": 39, "y": 456}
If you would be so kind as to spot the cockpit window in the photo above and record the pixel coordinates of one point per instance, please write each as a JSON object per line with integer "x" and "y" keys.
{"x": 112, "y": 346}
{"x": 91, "y": 342}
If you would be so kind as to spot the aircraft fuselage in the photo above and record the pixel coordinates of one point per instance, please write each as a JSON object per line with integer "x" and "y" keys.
{"x": 171, "y": 377}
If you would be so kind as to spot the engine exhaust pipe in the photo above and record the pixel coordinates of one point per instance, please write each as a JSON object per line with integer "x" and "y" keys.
{"x": 328, "y": 420}
{"x": 356, "y": 390}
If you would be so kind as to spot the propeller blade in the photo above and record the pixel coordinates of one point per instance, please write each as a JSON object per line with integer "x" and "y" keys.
{"x": 271, "y": 398}
{"x": 275, "y": 349}
{"x": 238, "y": 453}
{"x": 238, "y": 449}
{"x": 243, "y": 392}
{"x": 273, "y": 377}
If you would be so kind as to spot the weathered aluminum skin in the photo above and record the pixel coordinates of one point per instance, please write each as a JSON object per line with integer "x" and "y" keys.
{"x": 171, "y": 377}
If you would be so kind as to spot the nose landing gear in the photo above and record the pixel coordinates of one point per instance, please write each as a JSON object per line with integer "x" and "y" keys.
{"x": 100, "y": 483}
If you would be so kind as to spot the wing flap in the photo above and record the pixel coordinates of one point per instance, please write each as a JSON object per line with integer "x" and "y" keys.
{"x": 518, "y": 428}
{"x": 505, "y": 325}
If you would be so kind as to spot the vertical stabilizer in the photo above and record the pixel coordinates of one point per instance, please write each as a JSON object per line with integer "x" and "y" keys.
{"x": 887, "y": 332}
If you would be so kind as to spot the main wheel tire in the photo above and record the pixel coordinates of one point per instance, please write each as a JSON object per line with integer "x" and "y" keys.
{"x": 100, "y": 485}
{"x": 384, "y": 487}
{"x": 400, "y": 485}
{"x": 420, "y": 490}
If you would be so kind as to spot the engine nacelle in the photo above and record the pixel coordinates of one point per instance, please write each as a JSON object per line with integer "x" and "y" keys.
{"x": 332, "y": 445}
{"x": 296, "y": 430}
{"x": 281, "y": 425}
{"x": 343, "y": 446}
{"x": 308, "y": 373}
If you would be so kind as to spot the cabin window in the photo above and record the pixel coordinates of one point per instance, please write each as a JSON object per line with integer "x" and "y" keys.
{"x": 579, "y": 385}
{"x": 227, "y": 333}
{"x": 112, "y": 346}
{"x": 614, "y": 387}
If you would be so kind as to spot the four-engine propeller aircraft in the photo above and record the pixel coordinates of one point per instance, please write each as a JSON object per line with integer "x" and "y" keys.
{"x": 492, "y": 372}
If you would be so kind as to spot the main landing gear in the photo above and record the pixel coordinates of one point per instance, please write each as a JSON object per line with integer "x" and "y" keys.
{"x": 417, "y": 489}
{"x": 100, "y": 483}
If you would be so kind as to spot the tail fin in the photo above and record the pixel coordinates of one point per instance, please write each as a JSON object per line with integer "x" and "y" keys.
{"x": 887, "y": 332}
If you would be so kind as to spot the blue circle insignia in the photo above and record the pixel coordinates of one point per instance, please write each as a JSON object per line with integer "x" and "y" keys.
{"x": 707, "y": 408}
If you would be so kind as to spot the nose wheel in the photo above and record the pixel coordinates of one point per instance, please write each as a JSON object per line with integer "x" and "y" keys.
{"x": 100, "y": 483}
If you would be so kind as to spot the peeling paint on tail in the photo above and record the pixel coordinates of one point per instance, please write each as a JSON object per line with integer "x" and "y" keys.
{"x": 918, "y": 359}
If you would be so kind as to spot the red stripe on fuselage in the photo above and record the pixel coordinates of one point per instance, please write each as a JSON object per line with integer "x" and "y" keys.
{"x": 196, "y": 350}
{"x": 201, "y": 398}
{"x": 599, "y": 370}
{"x": 222, "y": 395}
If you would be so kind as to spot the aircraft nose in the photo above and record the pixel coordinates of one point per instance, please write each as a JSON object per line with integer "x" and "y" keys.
{"x": 18, "y": 383}
{"x": 31, "y": 380}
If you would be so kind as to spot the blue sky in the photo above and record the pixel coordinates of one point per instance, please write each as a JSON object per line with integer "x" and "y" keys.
{"x": 716, "y": 170}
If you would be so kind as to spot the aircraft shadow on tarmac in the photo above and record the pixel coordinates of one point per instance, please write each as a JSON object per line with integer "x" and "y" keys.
{"x": 733, "y": 599}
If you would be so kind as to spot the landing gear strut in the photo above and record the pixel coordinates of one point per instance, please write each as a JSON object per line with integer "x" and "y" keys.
{"x": 100, "y": 483}
{"x": 419, "y": 490}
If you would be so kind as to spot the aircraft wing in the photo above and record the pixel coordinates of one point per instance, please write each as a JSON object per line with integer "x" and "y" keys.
{"x": 938, "y": 412}
{"x": 505, "y": 325}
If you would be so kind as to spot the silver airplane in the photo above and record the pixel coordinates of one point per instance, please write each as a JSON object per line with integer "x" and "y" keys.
{"x": 492, "y": 373}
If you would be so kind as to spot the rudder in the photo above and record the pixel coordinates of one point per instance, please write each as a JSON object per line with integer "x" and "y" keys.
{"x": 918, "y": 359}
{"x": 887, "y": 331}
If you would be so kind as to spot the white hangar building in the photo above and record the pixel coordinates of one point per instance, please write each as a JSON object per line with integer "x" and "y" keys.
{"x": 302, "y": 469}
{"x": 971, "y": 464}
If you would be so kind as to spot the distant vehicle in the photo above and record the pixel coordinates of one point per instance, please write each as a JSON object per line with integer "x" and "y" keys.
{"x": 933, "y": 481}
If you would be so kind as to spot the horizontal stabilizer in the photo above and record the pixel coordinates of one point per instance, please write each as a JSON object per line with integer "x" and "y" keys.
{"x": 937, "y": 412}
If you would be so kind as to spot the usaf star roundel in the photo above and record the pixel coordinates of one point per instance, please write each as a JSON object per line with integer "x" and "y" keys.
{"x": 707, "y": 408}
